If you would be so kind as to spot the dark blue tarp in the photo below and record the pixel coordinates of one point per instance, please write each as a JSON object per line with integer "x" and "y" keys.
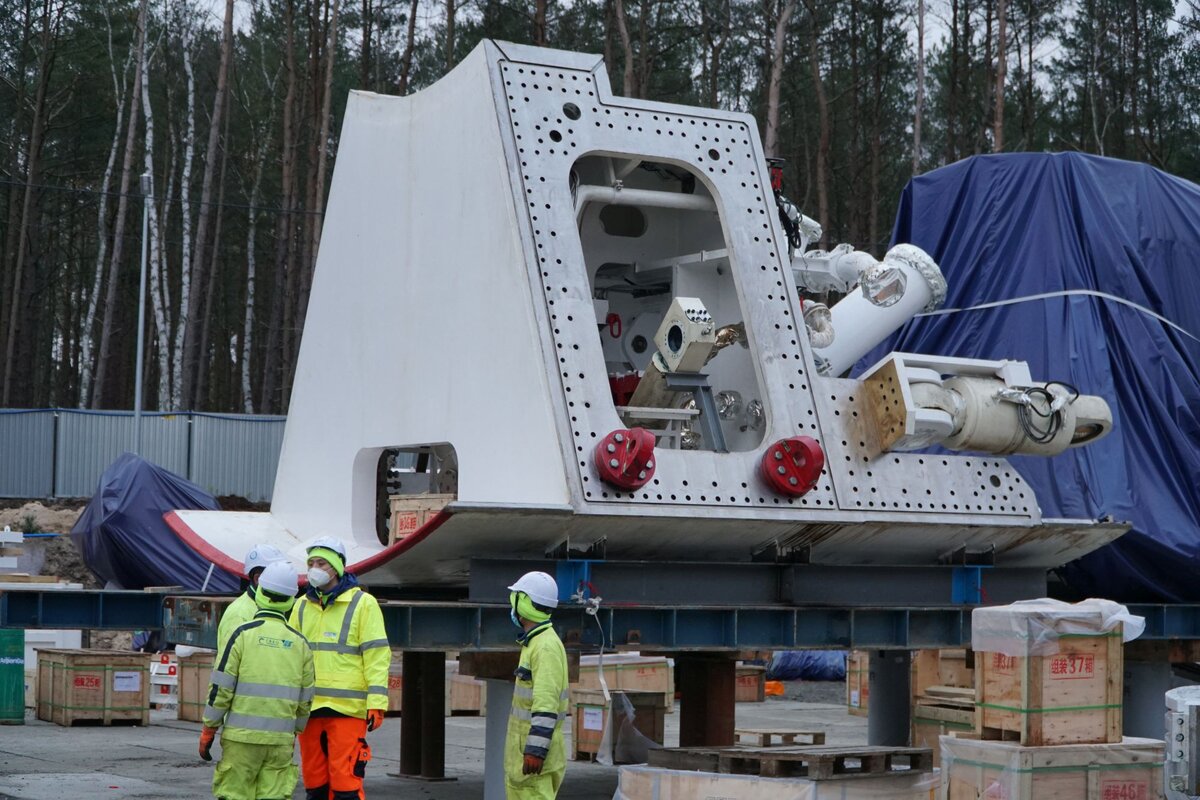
{"x": 1009, "y": 226}
{"x": 124, "y": 540}
{"x": 807, "y": 665}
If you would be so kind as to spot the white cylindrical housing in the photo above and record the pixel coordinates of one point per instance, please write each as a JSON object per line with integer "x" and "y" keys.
{"x": 861, "y": 325}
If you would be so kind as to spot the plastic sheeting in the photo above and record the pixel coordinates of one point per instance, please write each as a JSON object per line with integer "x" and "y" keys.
{"x": 652, "y": 783}
{"x": 807, "y": 665}
{"x": 126, "y": 543}
{"x": 1013, "y": 226}
{"x": 1033, "y": 627}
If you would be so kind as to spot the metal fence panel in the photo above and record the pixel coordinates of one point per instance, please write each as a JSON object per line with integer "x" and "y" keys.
{"x": 26, "y": 453}
{"x": 88, "y": 441}
{"x": 236, "y": 454}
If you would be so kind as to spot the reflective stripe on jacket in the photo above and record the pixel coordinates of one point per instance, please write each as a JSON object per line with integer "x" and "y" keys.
{"x": 350, "y": 650}
{"x": 539, "y": 706}
{"x": 262, "y": 685}
{"x": 237, "y": 613}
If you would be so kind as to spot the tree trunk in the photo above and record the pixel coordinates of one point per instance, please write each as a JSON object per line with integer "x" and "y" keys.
{"x": 203, "y": 401}
{"x": 410, "y": 39}
{"x": 159, "y": 311}
{"x": 539, "y": 23}
{"x": 32, "y": 162}
{"x": 450, "y": 14}
{"x": 192, "y": 324}
{"x": 1001, "y": 69}
{"x": 916, "y": 155}
{"x": 626, "y": 45}
{"x": 779, "y": 46}
{"x": 118, "y": 248}
{"x": 86, "y": 334}
{"x": 185, "y": 210}
{"x": 364, "y": 57}
{"x": 814, "y": 60}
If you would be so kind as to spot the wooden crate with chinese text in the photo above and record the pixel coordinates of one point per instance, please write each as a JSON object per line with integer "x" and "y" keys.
{"x": 99, "y": 686}
{"x": 1073, "y": 696}
{"x": 410, "y": 512}
{"x": 750, "y": 684}
{"x": 858, "y": 682}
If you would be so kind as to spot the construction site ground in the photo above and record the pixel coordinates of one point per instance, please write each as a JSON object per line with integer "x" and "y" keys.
{"x": 42, "y": 761}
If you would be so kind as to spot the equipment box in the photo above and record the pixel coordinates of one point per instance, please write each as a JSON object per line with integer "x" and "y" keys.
{"x": 195, "y": 672}
{"x": 590, "y": 715}
{"x": 100, "y": 686}
{"x": 410, "y": 512}
{"x": 1131, "y": 769}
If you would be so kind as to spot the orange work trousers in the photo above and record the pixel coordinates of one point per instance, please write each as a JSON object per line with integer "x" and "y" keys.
{"x": 330, "y": 747}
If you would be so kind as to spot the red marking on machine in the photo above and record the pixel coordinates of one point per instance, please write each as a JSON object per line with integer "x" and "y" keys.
{"x": 793, "y": 466}
{"x": 625, "y": 458}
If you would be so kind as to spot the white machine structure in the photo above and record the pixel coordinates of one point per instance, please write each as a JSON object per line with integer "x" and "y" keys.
{"x": 590, "y": 318}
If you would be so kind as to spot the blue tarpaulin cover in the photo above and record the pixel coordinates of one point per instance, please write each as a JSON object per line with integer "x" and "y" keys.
{"x": 807, "y": 665}
{"x": 1005, "y": 227}
{"x": 124, "y": 540}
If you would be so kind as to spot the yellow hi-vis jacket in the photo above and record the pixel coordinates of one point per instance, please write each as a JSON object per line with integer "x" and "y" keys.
{"x": 350, "y": 650}
{"x": 262, "y": 683}
{"x": 237, "y": 613}
{"x": 539, "y": 707}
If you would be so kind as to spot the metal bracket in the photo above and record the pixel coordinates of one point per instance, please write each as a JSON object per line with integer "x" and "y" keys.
{"x": 710, "y": 422}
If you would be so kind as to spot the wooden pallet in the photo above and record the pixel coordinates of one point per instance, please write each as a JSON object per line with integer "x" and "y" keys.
{"x": 827, "y": 762}
{"x": 824, "y": 762}
{"x": 765, "y": 737}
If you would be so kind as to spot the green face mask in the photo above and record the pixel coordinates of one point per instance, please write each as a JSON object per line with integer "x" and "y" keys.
{"x": 264, "y": 602}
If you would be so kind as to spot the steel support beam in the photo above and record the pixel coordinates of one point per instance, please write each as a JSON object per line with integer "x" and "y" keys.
{"x": 499, "y": 704}
{"x": 889, "y": 687}
{"x": 423, "y": 716}
{"x": 707, "y": 684}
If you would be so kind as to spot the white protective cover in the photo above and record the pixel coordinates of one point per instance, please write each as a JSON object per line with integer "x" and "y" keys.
{"x": 1033, "y": 627}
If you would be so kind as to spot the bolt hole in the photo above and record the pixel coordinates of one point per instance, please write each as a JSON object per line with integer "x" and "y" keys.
{"x": 571, "y": 111}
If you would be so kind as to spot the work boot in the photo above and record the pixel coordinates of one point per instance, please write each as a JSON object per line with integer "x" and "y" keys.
{"x": 319, "y": 793}
{"x": 346, "y": 796}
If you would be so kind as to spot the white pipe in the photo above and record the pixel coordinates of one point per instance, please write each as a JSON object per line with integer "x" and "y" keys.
{"x": 611, "y": 195}
{"x": 861, "y": 325}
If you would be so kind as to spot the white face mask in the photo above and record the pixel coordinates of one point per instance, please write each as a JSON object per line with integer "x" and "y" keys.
{"x": 318, "y": 577}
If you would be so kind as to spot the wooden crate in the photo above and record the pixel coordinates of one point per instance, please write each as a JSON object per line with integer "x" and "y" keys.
{"x": 654, "y": 783}
{"x": 941, "y": 668}
{"x": 468, "y": 696}
{"x": 629, "y": 673}
{"x": 942, "y": 711}
{"x": 750, "y": 686}
{"x": 1071, "y": 697}
{"x": 858, "y": 682}
{"x": 410, "y": 512}
{"x": 104, "y": 686}
{"x": 1129, "y": 770}
{"x": 464, "y": 696}
{"x": 195, "y": 673}
{"x": 589, "y": 718}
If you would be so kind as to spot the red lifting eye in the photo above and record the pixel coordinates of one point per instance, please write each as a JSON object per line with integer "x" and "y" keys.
{"x": 793, "y": 466}
{"x": 625, "y": 458}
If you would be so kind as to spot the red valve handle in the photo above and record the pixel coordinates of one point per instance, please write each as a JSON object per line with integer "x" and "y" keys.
{"x": 793, "y": 466}
{"x": 613, "y": 320}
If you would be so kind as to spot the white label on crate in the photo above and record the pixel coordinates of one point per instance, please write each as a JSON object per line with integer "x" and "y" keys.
{"x": 854, "y": 701}
{"x": 593, "y": 719}
{"x": 127, "y": 681}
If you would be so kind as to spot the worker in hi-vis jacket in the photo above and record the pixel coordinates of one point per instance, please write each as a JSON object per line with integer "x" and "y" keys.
{"x": 261, "y": 690}
{"x": 534, "y": 757}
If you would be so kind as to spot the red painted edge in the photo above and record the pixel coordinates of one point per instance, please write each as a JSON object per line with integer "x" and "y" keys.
{"x": 225, "y": 562}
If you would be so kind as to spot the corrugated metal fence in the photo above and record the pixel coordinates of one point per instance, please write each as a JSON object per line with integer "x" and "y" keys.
{"x": 62, "y": 452}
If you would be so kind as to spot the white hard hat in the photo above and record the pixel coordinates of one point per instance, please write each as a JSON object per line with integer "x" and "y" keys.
{"x": 541, "y": 588}
{"x": 329, "y": 543}
{"x": 279, "y": 577}
{"x": 259, "y": 556}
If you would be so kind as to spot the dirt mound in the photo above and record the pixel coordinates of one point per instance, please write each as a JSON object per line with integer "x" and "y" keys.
{"x": 63, "y": 559}
{"x": 33, "y": 517}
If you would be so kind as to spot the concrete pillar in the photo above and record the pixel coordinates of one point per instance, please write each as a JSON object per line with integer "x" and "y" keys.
{"x": 499, "y": 703}
{"x": 707, "y": 682}
{"x": 423, "y": 716}
{"x": 888, "y": 713}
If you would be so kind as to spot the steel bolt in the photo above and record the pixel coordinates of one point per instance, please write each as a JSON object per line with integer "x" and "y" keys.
{"x": 781, "y": 470}
{"x": 778, "y": 455}
{"x": 612, "y": 448}
{"x": 792, "y": 480}
{"x": 642, "y": 475}
{"x": 650, "y": 464}
{"x": 618, "y": 437}
{"x": 614, "y": 463}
